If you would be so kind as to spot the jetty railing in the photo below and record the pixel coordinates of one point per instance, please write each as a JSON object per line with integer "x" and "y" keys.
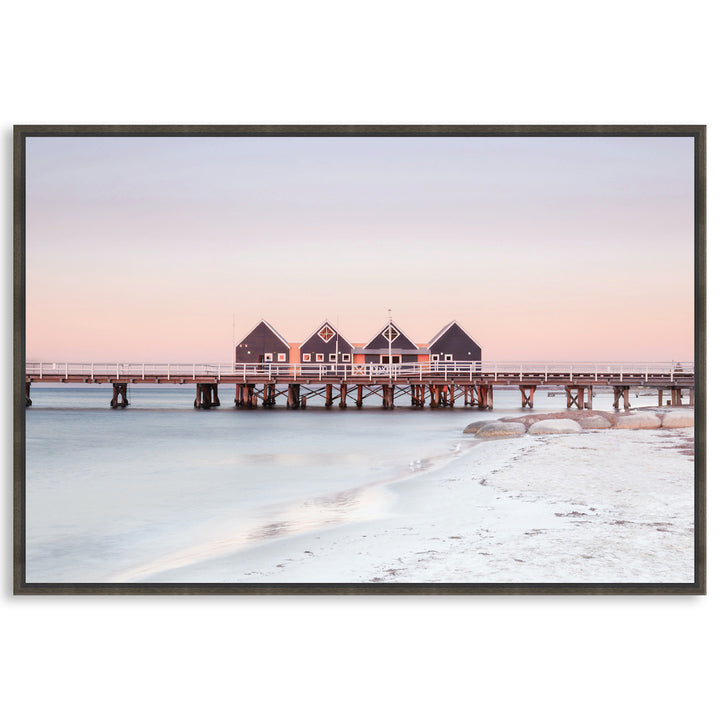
{"x": 530, "y": 372}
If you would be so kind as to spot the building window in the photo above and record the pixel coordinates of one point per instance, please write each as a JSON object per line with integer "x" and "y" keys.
{"x": 282, "y": 357}
{"x": 307, "y": 357}
{"x": 332, "y": 357}
{"x": 268, "y": 357}
{"x": 435, "y": 358}
{"x": 327, "y": 333}
{"x": 346, "y": 357}
{"x": 448, "y": 358}
{"x": 319, "y": 357}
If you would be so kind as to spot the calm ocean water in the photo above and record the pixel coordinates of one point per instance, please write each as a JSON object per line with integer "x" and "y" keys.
{"x": 111, "y": 493}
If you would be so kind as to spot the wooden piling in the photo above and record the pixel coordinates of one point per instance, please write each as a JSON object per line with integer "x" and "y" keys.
{"x": 621, "y": 391}
{"x": 528, "y": 395}
{"x": 388, "y": 397}
{"x": 293, "y": 396}
{"x": 343, "y": 395}
{"x": 328, "y": 396}
{"x": 28, "y": 401}
{"x": 119, "y": 398}
{"x": 206, "y": 395}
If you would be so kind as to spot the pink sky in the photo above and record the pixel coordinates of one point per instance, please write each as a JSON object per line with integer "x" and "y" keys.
{"x": 145, "y": 249}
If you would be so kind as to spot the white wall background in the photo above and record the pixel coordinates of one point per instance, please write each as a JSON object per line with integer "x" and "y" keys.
{"x": 375, "y": 62}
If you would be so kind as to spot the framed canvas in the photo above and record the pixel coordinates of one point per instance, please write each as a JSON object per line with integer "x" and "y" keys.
{"x": 359, "y": 359}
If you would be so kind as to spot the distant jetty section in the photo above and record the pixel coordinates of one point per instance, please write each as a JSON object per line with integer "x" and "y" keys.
{"x": 433, "y": 384}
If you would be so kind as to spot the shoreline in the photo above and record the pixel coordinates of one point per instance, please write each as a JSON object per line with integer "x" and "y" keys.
{"x": 583, "y": 507}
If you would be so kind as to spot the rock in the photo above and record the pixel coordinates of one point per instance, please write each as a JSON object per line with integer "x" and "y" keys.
{"x": 475, "y": 426}
{"x": 561, "y": 425}
{"x": 678, "y": 419}
{"x": 500, "y": 429}
{"x": 594, "y": 422}
{"x": 638, "y": 421}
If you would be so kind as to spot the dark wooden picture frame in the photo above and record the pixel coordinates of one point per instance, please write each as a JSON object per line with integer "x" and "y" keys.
{"x": 698, "y": 586}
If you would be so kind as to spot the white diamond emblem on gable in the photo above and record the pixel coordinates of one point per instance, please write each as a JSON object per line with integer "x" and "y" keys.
{"x": 327, "y": 333}
{"x": 391, "y": 334}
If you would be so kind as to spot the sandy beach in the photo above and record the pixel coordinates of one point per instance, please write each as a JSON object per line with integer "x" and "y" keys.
{"x": 611, "y": 505}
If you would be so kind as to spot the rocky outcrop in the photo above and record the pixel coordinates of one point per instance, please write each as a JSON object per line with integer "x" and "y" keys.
{"x": 473, "y": 427}
{"x": 501, "y": 429}
{"x": 554, "y": 427}
{"x": 573, "y": 421}
{"x": 679, "y": 419}
{"x": 638, "y": 421}
{"x": 594, "y": 422}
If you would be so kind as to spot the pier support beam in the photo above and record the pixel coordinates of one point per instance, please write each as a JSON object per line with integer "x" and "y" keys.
{"x": 484, "y": 396}
{"x": 245, "y": 396}
{"x": 248, "y": 399}
{"x": 269, "y": 395}
{"x": 576, "y": 396}
{"x": 343, "y": 395}
{"x": 388, "y": 397}
{"x": 528, "y": 395}
{"x": 328, "y": 396}
{"x": 621, "y": 391}
{"x": 293, "y": 396}
{"x": 119, "y": 398}
{"x": 28, "y": 401}
{"x": 692, "y": 396}
{"x": 359, "y": 400}
{"x": 206, "y": 395}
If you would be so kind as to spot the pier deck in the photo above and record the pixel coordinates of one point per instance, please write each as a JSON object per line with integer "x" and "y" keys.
{"x": 442, "y": 383}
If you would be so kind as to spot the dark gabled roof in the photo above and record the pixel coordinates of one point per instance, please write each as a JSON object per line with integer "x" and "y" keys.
{"x": 446, "y": 328}
{"x": 272, "y": 330}
{"x": 440, "y": 333}
{"x": 382, "y": 330}
{"x": 319, "y": 328}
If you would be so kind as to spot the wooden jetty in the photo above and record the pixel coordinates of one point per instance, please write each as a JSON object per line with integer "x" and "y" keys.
{"x": 428, "y": 384}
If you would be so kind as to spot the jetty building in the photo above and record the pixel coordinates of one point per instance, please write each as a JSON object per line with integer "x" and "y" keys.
{"x": 390, "y": 345}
